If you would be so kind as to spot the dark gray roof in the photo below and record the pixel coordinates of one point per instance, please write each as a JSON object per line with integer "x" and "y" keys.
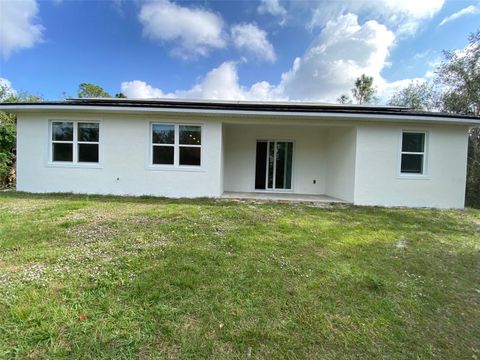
{"x": 267, "y": 106}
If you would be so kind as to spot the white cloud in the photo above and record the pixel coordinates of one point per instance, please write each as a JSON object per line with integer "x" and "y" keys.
{"x": 404, "y": 16}
{"x": 220, "y": 83}
{"x": 19, "y": 28}
{"x": 194, "y": 30}
{"x": 469, "y": 10}
{"x": 343, "y": 51}
{"x": 385, "y": 89}
{"x": 274, "y": 8}
{"x": 118, "y": 6}
{"x": 254, "y": 40}
{"x": 5, "y": 82}
{"x": 141, "y": 90}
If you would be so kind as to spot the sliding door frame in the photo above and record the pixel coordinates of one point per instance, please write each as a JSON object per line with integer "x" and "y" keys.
{"x": 270, "y": 142}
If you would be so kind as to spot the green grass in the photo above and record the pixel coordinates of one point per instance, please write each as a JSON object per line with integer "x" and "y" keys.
{"x": 108, "y": 277}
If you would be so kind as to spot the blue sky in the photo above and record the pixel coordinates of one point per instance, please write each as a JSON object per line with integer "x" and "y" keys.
{"x": 242, "y": 50}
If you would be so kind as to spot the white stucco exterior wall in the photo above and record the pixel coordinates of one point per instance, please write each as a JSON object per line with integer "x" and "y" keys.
{"x": 309, "y": 155}
{"x": 340, "y": 167}
{"x": 124, "y": 159}
{"x": 378, "y": 180}
{"x": 358, "y": 162}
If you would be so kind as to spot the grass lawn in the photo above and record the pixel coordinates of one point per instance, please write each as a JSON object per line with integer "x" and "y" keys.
{"x": 108, "y": 277}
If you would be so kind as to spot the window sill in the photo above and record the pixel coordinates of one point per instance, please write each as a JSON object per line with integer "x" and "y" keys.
{"x": 175, "y": 168}
{"x": 74, "y": 165}
{"x": 413, "y": 177}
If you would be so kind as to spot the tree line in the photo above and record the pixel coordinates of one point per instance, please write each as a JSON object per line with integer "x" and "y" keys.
{"x": 454, "y": 89}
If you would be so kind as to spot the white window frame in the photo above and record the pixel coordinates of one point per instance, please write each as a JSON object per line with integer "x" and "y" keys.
{"x": 176, "y": 147}
{"x": 75, "y": 143}
{"x": 424, "y": 173}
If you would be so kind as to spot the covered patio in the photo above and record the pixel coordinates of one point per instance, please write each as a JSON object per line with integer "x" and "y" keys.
{"x": 312, "y": 161}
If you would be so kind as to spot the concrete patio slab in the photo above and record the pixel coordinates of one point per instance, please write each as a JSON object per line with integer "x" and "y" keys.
{"x": 277, "y": 196}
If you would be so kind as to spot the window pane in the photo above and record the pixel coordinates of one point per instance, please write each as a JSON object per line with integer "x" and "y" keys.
{"x": 271, "y": 158}
{"x": 163, "y": 134}
{"x": 412, "y": 164}
{"x": 189, "y": 155}
{"x": 163, "y": 155}
{"x": 283, "y": 167}
{"x": 413, "y": 142}
{"x": 62, "y": 131}
{"x": 190, "y": 135}
{"x": 62, "y": 152}
{"x": 289, "y": 160}
{"x": 280, "y": 165}
{"x": 88, "y": 132}
{"x": 261, "y": 165}
{"x": 88, "y": 153}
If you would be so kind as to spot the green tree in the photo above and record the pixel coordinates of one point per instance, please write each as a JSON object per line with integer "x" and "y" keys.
{"x": 7, "y": 151}
{"x": 8, "y": 133}
{"x": 87, "y": 90}
{"x": 460, "y": 76}
{"x": 344, "y": 99}
{"x": 417, "y": 96}
{"x": 364, "y": 91}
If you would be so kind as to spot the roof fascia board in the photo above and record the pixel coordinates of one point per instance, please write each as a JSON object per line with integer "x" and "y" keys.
{"x": 217, "y": 112}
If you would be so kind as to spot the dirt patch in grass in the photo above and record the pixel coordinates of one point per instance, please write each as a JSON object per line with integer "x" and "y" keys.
{"x": 93, "y": 233}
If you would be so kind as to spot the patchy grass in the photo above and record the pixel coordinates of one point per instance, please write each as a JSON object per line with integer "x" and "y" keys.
{"x": 107, "y": 277}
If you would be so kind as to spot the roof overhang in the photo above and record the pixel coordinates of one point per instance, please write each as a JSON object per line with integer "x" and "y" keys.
{"x": 243, "y": 109}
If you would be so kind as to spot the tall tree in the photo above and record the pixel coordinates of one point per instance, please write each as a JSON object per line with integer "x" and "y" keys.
{"x": 460, "y": 75}
{"x": 364, "y": 91}
{"x": 417, "y": 96}
{"x": 87, "y": 90}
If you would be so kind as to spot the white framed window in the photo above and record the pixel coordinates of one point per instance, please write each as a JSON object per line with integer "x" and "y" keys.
{"x": 413, "y": 153}
{"x": 178, "y": 145}
{"x": 74, "y": 142}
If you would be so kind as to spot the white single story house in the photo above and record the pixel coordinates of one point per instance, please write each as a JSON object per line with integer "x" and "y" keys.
{"x": 365, "y": 155}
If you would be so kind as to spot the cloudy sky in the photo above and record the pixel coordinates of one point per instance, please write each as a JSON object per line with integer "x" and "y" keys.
{"x": 237, "y": 50}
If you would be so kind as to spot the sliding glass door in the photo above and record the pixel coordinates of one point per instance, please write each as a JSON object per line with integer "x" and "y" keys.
{"x": 274, "y": 165}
